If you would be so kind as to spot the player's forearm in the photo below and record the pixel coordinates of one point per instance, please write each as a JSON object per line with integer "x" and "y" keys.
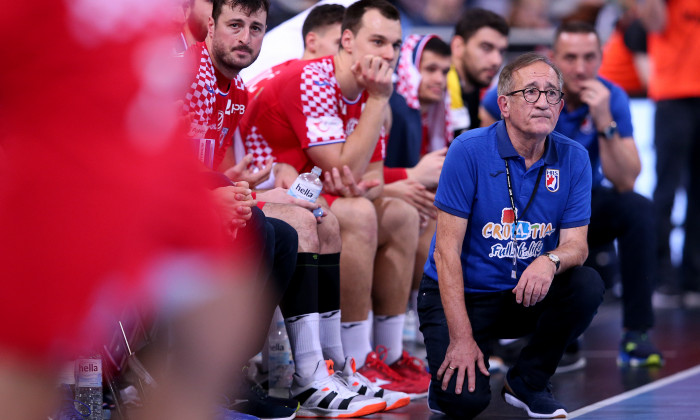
{"x": 375, "y": 172}
{"x": 449, "y": 268}
{"x": 360, "y": 144}
{"x": 620, "y": 162}
{"x": 573, "y": 249}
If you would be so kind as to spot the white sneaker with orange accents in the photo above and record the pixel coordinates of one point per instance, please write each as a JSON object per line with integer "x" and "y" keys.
{"x": 356, "y": 382}
{"x": 325, "y": 395}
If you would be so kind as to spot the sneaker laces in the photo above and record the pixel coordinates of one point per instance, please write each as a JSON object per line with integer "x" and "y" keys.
{"x": 334, "y": 382}
{"x": 358, "y": 377}
{"x": 329, "y": 366}
{"x": 366, "y": 382}
{"x": 411, "y": 362}
{"x": 378, "y": 363}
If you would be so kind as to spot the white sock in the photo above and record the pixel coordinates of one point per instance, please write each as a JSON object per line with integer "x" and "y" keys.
{"x": 388, "y": 332}
{"x": 304, "y": 339}
{"x": 355, "y": 337}
{"x": 331, "y": 342}
{"x": 370, "y": 330}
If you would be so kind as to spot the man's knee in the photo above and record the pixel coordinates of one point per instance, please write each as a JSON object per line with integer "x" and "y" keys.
{"x": 284, "y": 237}
{"x": 302, "y": 220}
{"x": 356, "y": 215}
{"x": 587, "y": 286}
{"x": 461, "y": 406}
{"x": 396, "y": 215}
{"x": 329, "y": 234}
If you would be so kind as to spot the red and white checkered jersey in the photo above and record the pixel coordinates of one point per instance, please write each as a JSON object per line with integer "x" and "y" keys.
{"x": 297, "y": 105}
{"x": 217, "y": 105}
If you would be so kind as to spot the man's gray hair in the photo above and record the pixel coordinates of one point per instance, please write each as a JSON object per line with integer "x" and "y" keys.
{"x": 505, "y": 80}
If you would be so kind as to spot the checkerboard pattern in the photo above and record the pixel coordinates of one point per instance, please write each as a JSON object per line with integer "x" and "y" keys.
{"x": 200, "y": 97}
{"x": 238, "y": 83}
{"x": 320, "y": 97}
{"x": 407, "y": 72}
{"x": 256, "y": 145}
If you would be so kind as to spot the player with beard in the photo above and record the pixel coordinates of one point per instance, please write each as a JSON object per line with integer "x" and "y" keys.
{"x": 478, "y": 44}
{"x": 217, "y": 99}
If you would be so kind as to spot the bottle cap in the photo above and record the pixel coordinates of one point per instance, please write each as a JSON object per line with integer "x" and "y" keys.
{"x": 317, "y": 171}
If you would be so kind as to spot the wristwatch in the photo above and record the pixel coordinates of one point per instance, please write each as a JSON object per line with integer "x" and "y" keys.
{"x": 553, "y": 258}
{"x": 609, "y": 131}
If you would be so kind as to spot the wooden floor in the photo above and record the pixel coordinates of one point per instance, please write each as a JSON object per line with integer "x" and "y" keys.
{"x": 602, "y": 390}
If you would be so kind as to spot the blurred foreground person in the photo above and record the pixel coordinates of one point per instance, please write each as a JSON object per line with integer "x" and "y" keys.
{"x": 101, "y": 210}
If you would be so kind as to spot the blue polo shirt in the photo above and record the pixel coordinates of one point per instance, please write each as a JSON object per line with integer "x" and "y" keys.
{"x": 578, "y": 124}
{"x": 473, "y": 186}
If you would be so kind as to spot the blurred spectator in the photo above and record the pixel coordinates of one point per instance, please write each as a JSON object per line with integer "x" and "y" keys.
{"x": 674, "y": 52}
{"x": 625, "y": 60}
{"x": 531, "y": 14}
{"x": 429, "y": 12}
{"x": 101, "y": 207}
{"x": 478, "y": 44}
{"x": 321, "y": 31}
{"x": 576, "y": 10}
{"x": 282, "y": 10}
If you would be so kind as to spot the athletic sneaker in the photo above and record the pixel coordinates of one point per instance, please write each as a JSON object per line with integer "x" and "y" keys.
{"x": 538, "y": 404}
{"x": 356, "y": 382}
{"x": 325, "y": 395}
{"x": 380, "y": 374}
{"x": 253, "y": 400}
{"x": 413, "y": 369}
{"x": 637, "y": 350}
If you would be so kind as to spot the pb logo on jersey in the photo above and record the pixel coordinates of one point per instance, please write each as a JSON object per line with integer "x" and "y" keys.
{"x": 552, "y": 180}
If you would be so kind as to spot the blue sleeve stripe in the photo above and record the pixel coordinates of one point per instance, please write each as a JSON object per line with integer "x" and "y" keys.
{"x": 451, "y": 211}
{"x": 575, "y": 224}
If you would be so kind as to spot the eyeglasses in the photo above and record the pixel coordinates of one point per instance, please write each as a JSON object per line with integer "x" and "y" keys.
{"x": 532, "y": 95}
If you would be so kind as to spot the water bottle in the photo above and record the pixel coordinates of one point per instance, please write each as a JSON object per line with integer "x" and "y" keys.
{"x": 410, "y": 326}
{"x": 280, "y": 364}
{"x": 88, "y": 387}
{"x": 308, "y": 187}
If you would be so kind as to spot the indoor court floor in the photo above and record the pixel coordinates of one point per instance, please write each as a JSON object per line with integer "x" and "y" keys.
{"x": 604, "y": 391}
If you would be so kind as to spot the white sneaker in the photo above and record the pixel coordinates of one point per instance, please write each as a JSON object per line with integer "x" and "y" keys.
{"x": 356, "y": 382}
{"x": 323, "y": 395}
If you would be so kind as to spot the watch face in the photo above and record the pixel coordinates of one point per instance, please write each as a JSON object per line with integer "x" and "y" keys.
{"x": 610, "y": 130}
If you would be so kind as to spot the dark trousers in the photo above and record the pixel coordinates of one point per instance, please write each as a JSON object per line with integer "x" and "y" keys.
{"x": 677, "y": 142}
{"x": 628, "y": 217}
{"x": 563, "y": 315}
